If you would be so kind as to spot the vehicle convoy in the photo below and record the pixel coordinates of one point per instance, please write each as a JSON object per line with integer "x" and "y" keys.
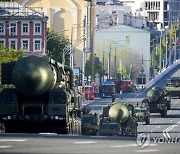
{"x": 40, "y": 96}
{"x": 158, "y": 101}
{"x": 118, "y": 119}
{"x": 173, "y": 85}
{"x": 142, "y": 114}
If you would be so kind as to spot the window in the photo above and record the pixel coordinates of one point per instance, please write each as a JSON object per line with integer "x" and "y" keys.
{"x": 37, "y": 28}
{"x": 2, "y": 28}
{"x": 13, "y": 44}
{"x": 25, "y": 28}
{"x": 25, "y": 45}
{"x": 2, "y": 42}
{"x": 13, "y": 29}
{"x": 37, "y": 45}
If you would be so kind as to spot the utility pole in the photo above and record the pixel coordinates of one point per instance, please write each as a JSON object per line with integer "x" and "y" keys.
{"x": 166, "y": 50}
{"x": 103, "y": 65}
{"x": 109, "y": 62}
{"x": 175, "y": 47}
{"x": 142, "y": 71}
{"x": 83, "y": 57}
{"x": 115, "y": 64}
{"x": 160, "y": 52}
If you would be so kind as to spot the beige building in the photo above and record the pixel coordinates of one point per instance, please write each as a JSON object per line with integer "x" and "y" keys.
{"x": 66, "y": 17}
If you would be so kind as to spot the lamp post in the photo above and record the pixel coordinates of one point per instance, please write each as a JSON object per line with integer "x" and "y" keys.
{"x": 160, "y": 51}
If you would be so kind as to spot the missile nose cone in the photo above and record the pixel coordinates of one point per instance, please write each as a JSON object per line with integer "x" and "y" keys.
{"x": 32, "y": 75}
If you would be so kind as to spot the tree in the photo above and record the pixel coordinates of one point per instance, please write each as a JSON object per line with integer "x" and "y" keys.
{"x": 55, "y": 45}
{"x": 123, "y": 57}
{"x": 98, "y": 67}
{"x": 9, "y": 55}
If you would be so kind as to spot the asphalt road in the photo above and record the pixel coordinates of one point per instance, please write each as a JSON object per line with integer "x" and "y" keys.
{"x": 158, "y": 130}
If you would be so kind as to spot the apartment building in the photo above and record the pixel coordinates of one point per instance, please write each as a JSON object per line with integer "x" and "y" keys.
{"x": 22, "y": 28}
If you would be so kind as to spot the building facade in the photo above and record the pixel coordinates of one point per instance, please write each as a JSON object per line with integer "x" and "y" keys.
{"x": 67, "y": 17}
{"x": 135, "y": 39}
{"x": 22, "y": 28}
{"x": 162, "y": 13}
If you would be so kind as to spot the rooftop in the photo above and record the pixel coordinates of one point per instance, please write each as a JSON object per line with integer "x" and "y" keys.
{"x": 13, "y": 9}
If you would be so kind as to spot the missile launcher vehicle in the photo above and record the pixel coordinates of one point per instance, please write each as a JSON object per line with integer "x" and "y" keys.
{"x": 158, "y": 101}
{"x": 41, "y": 97}
{"x": 173, "y": 85}
{"x": 118, "y": 119}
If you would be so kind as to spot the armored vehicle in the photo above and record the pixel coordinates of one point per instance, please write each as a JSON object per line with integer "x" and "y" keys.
{"x": 40, "y": 97}
{"x": 158, "y": 101}
{"x": 118, "y": 119}
{"x": 89, "y": 124}
{"x": 142, "y": 114}
{"x": 173, "y": 85}
{"x": 109, "y": 128}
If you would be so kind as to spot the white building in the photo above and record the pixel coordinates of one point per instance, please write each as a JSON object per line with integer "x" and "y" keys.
{"x": 135, "y": 38}
{"x": 136, "y": 6}
{"x": 162, "y": 13}
{"x": 159, "y": 13}
{"x": 110, "y": 15}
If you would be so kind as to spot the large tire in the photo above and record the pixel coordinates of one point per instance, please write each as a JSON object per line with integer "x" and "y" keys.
{"x": 164, "y": 113}
{"x": 169, "y": 106}
{"x": 2, "y": 128}
{"x": 147, "y": 121}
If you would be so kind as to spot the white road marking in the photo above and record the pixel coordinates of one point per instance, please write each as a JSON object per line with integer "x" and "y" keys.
{"x": 150, "y": 150}
{"x": 165, "y": 132}
{"x": 12, "y": 140}
{"x": 122, "y": 146}
{"x": 129, "y": 145}
{"x": 5, "y": 147}
{"x": 85, "y": 142}
{"x": 139, "y": 94}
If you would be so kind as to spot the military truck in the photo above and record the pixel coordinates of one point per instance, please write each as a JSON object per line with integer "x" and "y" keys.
{"x": 118, "y": 119}
{"x": 89, "y": 124}
{"x": 109, "y": 128}
{"x": 39, "y": 95}
{"x": 173, "y": 85}
{"x": 142, "y": 114}
{"x": 158, "y": 101}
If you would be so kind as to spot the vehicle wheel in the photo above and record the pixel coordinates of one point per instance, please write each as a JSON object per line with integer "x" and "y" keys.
{"x": 147, "y": 121}
{"x": 70, "y": 128}
{"x": 2, "y": 128}
{"x": 79, "y": 126}
{"x": 169, "y": 106}
{"x": 164, "y": 113}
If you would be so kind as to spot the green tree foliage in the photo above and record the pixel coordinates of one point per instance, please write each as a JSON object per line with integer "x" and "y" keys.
{"x": 98, "y": 67}
{"x": 8, "y": 55}
{"x": 55, "y": 45}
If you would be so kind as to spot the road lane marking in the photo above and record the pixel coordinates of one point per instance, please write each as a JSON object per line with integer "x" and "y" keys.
{"x": 5, "y": 147}
{"x": 122, "y": 146}
{"x": 85, "y": 142}
{"x": 144, "y": 151}
{"x": 139, "y": 94}
{"x": 165, "y": 132}
{"x": 12, "y": 140}
{"x": 128, "y": 145}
